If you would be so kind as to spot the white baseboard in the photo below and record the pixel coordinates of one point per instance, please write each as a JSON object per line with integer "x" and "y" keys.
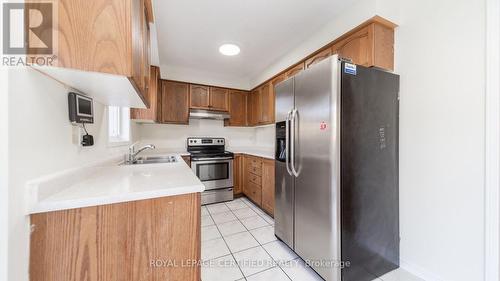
{"x": 419, "y": 271}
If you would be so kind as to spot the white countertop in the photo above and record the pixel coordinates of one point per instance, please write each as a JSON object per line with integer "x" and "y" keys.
{"x": 110, "y": 183}
{"x": 264, "y": 152}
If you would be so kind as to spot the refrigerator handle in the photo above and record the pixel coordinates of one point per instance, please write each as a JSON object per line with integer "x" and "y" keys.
{"x": 292, "y": 146}
{"x": 287, "y": 142}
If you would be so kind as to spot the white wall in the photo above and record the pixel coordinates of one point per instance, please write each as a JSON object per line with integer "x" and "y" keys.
{"x": 177, "y": 73}
{"x": 40, "y": 143}
{"x": 361, "y": 11}
{"x": 4, "y": 148}
{"x": 440, "y": 57}
{"x": 174, "y": 136}
{"x": 265, "y": 136}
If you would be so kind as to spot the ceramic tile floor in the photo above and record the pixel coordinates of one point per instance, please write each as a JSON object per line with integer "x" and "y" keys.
{"x": 238, "y": 243}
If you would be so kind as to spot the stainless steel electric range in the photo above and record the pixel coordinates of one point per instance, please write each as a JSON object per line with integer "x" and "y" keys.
{"x": 213, "y": 165}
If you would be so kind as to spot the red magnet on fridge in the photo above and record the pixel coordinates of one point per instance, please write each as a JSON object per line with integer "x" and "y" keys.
{"x": 322, "y": 126}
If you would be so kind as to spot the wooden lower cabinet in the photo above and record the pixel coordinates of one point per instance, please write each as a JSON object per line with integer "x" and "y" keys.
{"x": 187, "y": 159}
{"x": 268, "y": 180}
{"x": 258, "y": 181}
{"x": 143, "y": 240}
{"x": 237, "y": 175}
{"x": 254, "y": 192}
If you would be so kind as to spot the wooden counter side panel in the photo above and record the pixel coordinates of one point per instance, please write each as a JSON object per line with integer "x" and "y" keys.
{"x": 118, "y": 241}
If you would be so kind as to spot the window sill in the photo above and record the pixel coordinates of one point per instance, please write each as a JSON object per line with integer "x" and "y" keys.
{"x": 118, "y": 143}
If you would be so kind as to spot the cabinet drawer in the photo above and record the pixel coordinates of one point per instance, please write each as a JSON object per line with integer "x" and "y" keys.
{"x": 254, "y": 162}
{"x": 254, "y": 192}
{"x": 254, "y": 170}
{"x": 255, "y": 179}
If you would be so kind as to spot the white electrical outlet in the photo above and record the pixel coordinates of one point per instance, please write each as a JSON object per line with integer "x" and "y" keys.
{"x": 78, "y": 133}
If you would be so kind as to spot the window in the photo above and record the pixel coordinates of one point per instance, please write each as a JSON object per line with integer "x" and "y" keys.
{"x": 118, "y": 125}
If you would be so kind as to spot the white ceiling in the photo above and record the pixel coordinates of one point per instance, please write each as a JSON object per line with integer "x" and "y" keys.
{"x": 191, "y": 31}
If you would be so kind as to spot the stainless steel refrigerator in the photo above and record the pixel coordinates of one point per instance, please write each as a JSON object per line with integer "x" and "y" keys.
{"x": 337, "y": 201}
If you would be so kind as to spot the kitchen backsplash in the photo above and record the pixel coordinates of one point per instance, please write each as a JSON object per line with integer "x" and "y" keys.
{"x": 174, "y": 136}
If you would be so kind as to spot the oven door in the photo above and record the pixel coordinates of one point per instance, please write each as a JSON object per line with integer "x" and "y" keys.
{"x": 214, "y": 173}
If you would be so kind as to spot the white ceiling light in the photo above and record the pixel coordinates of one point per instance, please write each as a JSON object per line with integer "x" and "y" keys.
{"x": 229, "y": 49}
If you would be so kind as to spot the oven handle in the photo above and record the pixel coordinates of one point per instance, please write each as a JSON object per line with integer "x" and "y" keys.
{"x": 212, "y": 160}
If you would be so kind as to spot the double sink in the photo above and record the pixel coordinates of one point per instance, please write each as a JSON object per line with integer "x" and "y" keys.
{"x": 153, "y": 160}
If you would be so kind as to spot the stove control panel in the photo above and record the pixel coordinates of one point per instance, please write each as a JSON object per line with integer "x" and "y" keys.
{"x": 205, "y": 141}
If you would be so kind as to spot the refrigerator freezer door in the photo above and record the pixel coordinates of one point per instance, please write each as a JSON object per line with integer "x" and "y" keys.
{"x": 284, "y": 184}
{"x": 284, "y": 99}
{"x": 317, "y": 186}
{"x": 370, "y": 220}
{"x": 284, "y": 209}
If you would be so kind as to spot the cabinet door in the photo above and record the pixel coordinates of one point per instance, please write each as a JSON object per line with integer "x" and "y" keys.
{"x": 294, "y": 70}
{"x": 187, "y": 159}
{"x": 138, "y": 37}
{"x": 237, "y": 108}
{"x": 274, "y": 82}
{"x": 318, "y": 57}
{"x": 237, "y": 175}
{"x": 266, "y": 104}
{"x": 146, "y": 59}
{"x": 114, "y": 241}
{"x": 219, "y": 99}
{"x": 254, "y": 108}
{"x": 174, "y": 102}
{"x": 357, "y": 47}
{"x": 200, "y": 97}
{"x": 245, "y": 175}
{"x": 268, "y": 186}
{"x": 151, "y": 113}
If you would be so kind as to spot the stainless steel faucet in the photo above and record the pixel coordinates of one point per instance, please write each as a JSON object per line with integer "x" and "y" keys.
{"x": 132, "y": 154}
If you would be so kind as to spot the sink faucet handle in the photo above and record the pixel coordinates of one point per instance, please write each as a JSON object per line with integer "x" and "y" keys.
{"x": 131, "y": 148}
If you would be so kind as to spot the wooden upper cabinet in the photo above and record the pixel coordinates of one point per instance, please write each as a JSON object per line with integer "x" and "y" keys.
{"x": 209, "y": 98}
{"x": 254, "y": 107}
{"x": 294, "y": 70}
{"x": 383, "y": 46}
{"x": 373, "y": 45}
{"x": 150, "y": 114}
{"x": 174, "y": 102}
{"x": 200, "y": 96}
{"x": 237, "y": 108}
{"x": 219, "y": 99}
{"x": 357, "y": 47}
{"x": 146, "y": 62}
{"x": 324, "y": 54}
{"x": 266, "y": 104}
{"x": 110, "y": 36}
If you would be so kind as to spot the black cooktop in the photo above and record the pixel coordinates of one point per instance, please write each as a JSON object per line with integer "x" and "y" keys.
{"x": 211, "y": 154}
{"x": 208, "y": 147}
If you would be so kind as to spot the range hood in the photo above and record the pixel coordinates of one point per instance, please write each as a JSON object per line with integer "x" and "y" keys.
{"x": 207, "y": 114}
